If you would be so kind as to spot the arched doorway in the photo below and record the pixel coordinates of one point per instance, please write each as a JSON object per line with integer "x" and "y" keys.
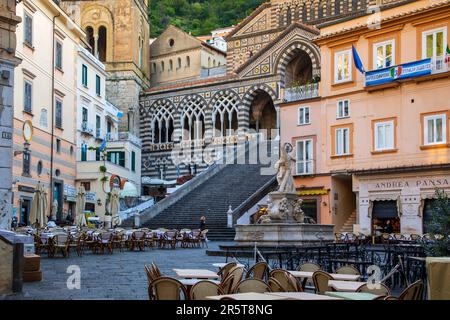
{"x": 299, "y": 70}
{"x": 263, "y": 116}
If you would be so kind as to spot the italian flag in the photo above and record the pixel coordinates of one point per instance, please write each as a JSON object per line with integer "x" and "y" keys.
{"x": 447, "y": 55}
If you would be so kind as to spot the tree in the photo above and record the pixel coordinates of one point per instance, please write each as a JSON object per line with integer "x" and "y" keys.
{"x": 439, "y": 226}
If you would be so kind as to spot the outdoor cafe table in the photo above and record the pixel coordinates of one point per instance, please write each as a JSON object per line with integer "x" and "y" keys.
{"x": 352, "y": 295}
{"x": 347, "y": 286}
{"x": 221, "y": 265}
{"x": 248, "y": 296}
{"x": 302, "y": 296}
{"x": 196, "y": 274}
{"x": 336, "y": 276}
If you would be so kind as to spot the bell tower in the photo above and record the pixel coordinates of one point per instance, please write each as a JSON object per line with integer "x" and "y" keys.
{"x": 118, "y": 33}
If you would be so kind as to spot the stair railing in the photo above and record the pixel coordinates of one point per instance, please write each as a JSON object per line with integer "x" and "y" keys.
{"x": 254, "y": 199}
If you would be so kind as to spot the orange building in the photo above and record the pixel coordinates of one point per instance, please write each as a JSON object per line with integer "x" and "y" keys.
{"x": 373, "y": 147}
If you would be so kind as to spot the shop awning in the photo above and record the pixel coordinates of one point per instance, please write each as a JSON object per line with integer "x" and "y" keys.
{"x": 129, "y": 190}
{"x": 312, "y": 192}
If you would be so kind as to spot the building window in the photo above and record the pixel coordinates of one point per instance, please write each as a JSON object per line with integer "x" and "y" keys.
{"x": 58, "y": 55}
{"x": 86, "y": 185}
{"x": 98, "y": 85}
{"x": 434, "y": 44}
{"x": 58, "y": 145}
{"x": 162, "y": 66}
{"x": 343, "y": 66}
{"x": 384, "y": 54}
{"x": 43, "y": 120}
{"x": 188, "y": 62}
{"x": 153, "y": 67}
{"x": 28, "y": 29}
{"x": 343, "y": 109}
{"x": 384, "y": 135}
{"x": 342, "y": 141}
{"x": 27, "y": 96}
{"x": 98, "y": 126}
{"x": 133, "y": 161}
{"x": 39, "y": 168}
{"x": 305, "y": 163}
{"x": 303, "y": 115}
{"x": 97, "y": 155}
{"x": 84, "y": 152}
{"x": 26, "y": 163}
{"x": 117, "y": 157}
{"x": 84, "y": 118}
{"x": 435, "y": 129}
{"x": 179, "y": 63}
{"x": 84, "y": 75}
{"x": 170, "y": 65}
{"x": 58, "y": 113}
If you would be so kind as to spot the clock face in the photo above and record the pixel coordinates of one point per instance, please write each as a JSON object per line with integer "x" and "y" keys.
{"x": 27, "y": 131}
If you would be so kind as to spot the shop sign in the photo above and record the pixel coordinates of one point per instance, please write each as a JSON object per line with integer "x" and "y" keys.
{"x": 413, "y": 183}
{"x": 91, "y": 197}
{"x": 399, "y": 72}
{"x": 70, "y": 193}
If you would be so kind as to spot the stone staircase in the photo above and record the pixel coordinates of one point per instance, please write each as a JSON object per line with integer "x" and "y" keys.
{"x": 348, "y": 225}
{"x": 232, "y": 185}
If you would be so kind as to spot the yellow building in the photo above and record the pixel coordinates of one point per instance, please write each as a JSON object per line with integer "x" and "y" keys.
{"x": 118, "y": 33}
{"x": 45, "y": 105}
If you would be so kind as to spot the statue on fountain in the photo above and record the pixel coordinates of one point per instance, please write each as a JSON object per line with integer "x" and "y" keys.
{"x": 284, "y": 205}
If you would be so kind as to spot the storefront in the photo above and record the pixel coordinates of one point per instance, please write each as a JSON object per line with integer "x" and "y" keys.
{"x": 403, "y": 200}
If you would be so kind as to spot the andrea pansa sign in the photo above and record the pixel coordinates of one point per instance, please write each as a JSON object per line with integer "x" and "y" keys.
{"x": 399, "y": 72}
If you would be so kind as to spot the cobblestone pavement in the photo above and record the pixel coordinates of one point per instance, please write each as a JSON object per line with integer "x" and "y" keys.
{"x": 117, "y": 276}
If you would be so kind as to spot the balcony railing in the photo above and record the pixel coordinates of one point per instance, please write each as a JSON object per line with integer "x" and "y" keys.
{"x": 303, "y": 92}
{"x": 124, "y": 136}
{"x": 87, "y": 128}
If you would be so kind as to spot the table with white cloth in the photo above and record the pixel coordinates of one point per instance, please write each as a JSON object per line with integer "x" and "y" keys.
{"x": 346, "y": 286}
{"x": 196, "y": 274}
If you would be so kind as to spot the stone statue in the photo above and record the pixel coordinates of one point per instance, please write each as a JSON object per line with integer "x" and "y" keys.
{"x": 54, "y": 210}
{"x": 298, "y": 213}
{"x": 284, "y": 168}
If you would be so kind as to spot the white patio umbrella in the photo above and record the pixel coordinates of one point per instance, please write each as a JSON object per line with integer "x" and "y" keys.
{"x": 81, "y": 203}
{"x": 38, "y": 206}
{"x": 114, "y": 207}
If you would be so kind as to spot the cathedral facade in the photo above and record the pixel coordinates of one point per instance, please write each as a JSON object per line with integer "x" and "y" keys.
{"x": 270, "y": 58}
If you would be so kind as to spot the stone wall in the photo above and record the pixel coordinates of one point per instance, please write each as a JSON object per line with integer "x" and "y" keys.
{"x": 6, "y": 267}
{"x": 8, "y": 22}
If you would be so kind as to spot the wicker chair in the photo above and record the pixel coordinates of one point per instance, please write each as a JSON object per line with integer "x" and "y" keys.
{"x": 105, "y": 241}
{"x": 150, "y": 239}
{"x": 237, "y": 272}
{"x": 339, "y": 237}
{"x": 61, "y": 243}
{"x": 76, "y": 242}
{"x": 170, "y": 239}
{"x": 118, "y": 240}
{"x": 320, "y": 279}
{"x": 227, "y": 284}
{"x": 308, "y": 267}
{"x": 390, "y": 298}
{"x": 156, "y": 270}
{"x": 413, "y": 292}
{"x": 383, "y": 290}
{"x": 137, "y": 240}
{"x": 258, "y": 271}
{"x": 203, "y": 239}
{"x": 275, "y": 285}
{"x": 414, "y": 237}
{"x": 224, "y": 271}
{"x": 348, "y": 269}
{"x": 90, "y": 242}
{"x": 166, "y": 288}
{"x": 287, "y": 281}
{"x": 252, "y": 285}
{"x": 203, "y": 289}
{"x": 195, "y": 238}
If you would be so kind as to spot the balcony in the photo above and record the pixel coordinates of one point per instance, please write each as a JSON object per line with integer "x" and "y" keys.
{"x": 303, "y": 92}
{"x": 87, "y": 128}
{"x": 125, "y": 137}
{"x": 440, "y": 64}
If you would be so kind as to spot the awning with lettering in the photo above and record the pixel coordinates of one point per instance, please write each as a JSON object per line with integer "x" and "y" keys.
{"x": 312, "y": 192}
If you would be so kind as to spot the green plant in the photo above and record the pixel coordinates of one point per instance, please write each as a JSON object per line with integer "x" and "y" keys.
{"x": 102, "y": 169}
{"x": 438, "y": 226}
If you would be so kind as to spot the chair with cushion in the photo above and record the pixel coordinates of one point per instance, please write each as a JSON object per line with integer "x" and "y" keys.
{"x": 348, "y": 269}
{"x": 167, "y": 288}
{"x": 274, "y": 285}
{"x": 223, "y": 272}
{"x": 252, "y": 285}
{"x": 413, "y": 292}
{"x": 105, "y": 241}
{"x": 137, "y": 240}
{"x": 320, "y": 279}
{"x": 203, "y": 289}
{"x": 383, "y": 290}
{"x": 227, "y": 284}
{"x": 258, "y": 271}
